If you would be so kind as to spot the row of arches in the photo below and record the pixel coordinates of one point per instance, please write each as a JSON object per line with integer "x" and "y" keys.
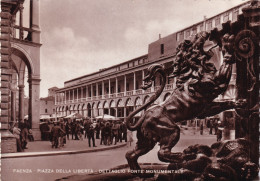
{"x": 114, "y": 107}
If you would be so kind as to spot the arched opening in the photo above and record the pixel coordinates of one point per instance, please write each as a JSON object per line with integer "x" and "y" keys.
{"x": 112, "y": 108}
{"x": 83, "y": 110}
{"x": 24, "y": 89}
{"x": 100, "y": 109}
{"x": 129, "y": 106}
{"x": 89, "y": 110}
{"x": 106, "y": 108}
{"x": 120, "y": 108}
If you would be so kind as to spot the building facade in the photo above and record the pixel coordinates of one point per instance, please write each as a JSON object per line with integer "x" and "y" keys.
{"x": 47, "y": 104}
{"x": 20, "y": 53}
{"x": 117, "y": 90}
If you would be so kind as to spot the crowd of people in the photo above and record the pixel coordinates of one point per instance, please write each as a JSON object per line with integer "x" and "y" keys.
{"x": 22, "y": 133}
{"x": 214, "y": 125}
{"x": 107, "y": 131}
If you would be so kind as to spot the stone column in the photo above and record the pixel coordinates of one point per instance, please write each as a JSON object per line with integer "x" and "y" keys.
{"x": 86, "y": 92}
{"x": 97, "y": 89}
{"x": 125, "y": 85}
{"x": 34, "y": 104}
{"x": 21, "y": 103}
{"x": 142, "y": 79}
{"x": 81, "y": 93}
{"x": 73, "y": 95}
{"x": 103, "y": 89}
{"x": 69, "y": 96}
{"x": 65, "y": 97}
{"x": 116, "y": 85}
{"x": 35, "y": 20}
{"x": 109, "y": 87}
{"x": 134, "y": 82}
{"x": 21, "y": 21}
{"x": 77, "y": 94}
{"x": 91, "y": 91}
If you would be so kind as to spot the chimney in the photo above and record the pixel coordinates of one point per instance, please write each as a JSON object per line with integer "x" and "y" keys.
{"x": 159, "y": 36}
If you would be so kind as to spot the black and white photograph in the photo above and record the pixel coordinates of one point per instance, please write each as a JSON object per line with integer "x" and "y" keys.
{"x": 133, "y": 90}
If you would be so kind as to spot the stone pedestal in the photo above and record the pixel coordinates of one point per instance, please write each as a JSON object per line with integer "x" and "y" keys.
{"x": 8, "y": 142}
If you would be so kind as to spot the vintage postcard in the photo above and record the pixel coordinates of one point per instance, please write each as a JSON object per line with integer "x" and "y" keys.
{"x": 129, "y": 90}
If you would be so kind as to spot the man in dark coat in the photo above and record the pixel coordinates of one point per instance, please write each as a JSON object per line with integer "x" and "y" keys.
{"x": 91, "y": 135}
{"x": 24, "y": 135}
{"x": 107, "y": 133}
{"x": 124, "y": 131}
{"x": 86, "y": 126}
{"x": 115, "y": 131}
{"x": 97, "y": 128}
{"x": 56, "y": 132}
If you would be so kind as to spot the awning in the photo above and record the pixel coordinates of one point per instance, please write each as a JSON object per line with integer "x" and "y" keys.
{"x": 107, "y": 117}
{"x": 74, "y": 116}
{"x": 45, "y": 117}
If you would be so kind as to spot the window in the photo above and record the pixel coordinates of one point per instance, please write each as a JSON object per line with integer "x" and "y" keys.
{"x": 162, "y": 49}
{"x": 46, "y": 102}
{"x": 201, "y": 27}
{"x": 53, "y": 110}
{"x": 178, "y": 37}
{"x": 181, "y": 36}
{"x": 234, "y": 15}
{"x": 127, "y": 86}
{"x": 187, "y": 33}
{"x": 226, "y": 17}
{"x": 209, "y": 25}
{"x": 194, "y": 30}
{"x": 217, "y": 21}
{"x": 46, "y": 110}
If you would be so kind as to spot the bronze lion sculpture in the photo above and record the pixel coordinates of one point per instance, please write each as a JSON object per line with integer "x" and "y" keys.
{"x": 198, "y": 84}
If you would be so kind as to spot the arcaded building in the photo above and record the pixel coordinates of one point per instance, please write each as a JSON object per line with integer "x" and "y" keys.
{"x": 20, "y": 63}
{"x": 116, "y": 90}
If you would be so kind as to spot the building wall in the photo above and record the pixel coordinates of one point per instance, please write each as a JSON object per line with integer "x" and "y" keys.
{"x": 47, "y": 106}
{"x": 125, "y": 79}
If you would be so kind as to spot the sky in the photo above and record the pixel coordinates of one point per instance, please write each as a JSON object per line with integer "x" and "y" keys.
{"x": 82, "y": 36}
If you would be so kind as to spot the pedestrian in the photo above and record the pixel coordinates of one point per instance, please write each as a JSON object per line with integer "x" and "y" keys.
{"x": 102, "y": 126}
{"x": 129, "y": 137}
{"x": 115, "y": 131}
{"x": 86, "y": 126}
{"x": 17, "y": 132}
{"x": 24, "y": 135}
{"x": 77, "y": 130}
{"x": 219, "y": 131}
{"x": 201, "y": 128}
{"x": 73, "y": 127}
{"x": 62, "y": 134}
{"x": 124, "y": 131}
{"x": 30, "y": 135}
{"x": 68, "y": 130}
{"x": 97, "y": 128}
{"x": 56, "y": 132}
{"x": 91, "y": 136}
{"x": 210, "y": 126}
{"x": 107, "y": 133}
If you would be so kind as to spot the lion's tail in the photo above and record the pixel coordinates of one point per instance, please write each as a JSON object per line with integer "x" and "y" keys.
{"x": 149, "y": 78}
